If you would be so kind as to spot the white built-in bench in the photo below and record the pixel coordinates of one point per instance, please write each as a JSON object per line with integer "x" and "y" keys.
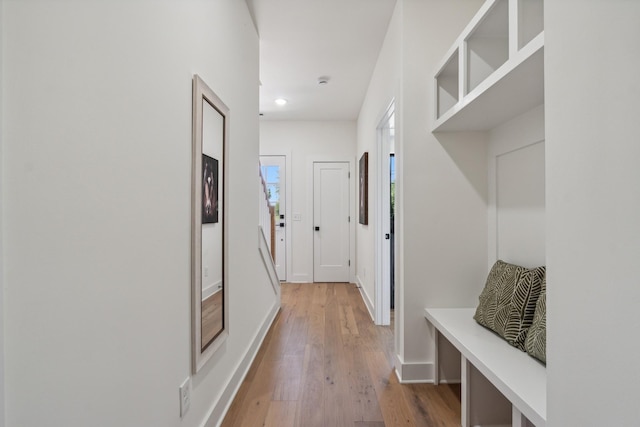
{"x": 519, "y": 377}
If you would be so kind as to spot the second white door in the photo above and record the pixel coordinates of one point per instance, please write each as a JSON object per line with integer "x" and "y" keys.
{"x": 331, "y": 222}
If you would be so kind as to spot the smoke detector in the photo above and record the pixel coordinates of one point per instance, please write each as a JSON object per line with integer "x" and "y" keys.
{"x": 323, "y": 80}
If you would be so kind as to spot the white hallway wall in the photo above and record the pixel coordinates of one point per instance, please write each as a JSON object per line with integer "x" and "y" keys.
{"x": 96, "y": 207}
{"x": 441, "y": 183}
{"x": 444, "y": 199}
{"x": 304, "y": 142}
{"x": 384, "y": 88}
{"x": 592, "y": 64}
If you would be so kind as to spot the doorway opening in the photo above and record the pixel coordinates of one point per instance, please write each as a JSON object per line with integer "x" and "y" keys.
{"x": 392, "y": 227}
{"x": 385, "y": 219}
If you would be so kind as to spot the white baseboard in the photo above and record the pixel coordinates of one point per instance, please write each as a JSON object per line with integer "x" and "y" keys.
{"x": 450, "y": 381}
{"x": 414, "y": 372}
{"x": 300, "y": 278}
{"x": 220, "y": 408}
{"x": 365, "y": 298}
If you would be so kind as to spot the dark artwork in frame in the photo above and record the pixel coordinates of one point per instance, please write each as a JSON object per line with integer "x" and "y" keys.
{"x": 209, "y": 189}
{"x": 364, "y": 189}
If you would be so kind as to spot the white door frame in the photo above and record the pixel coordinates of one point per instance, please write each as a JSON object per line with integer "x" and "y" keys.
{"x": 309, "y": 161}
{"x": 383, "y": 218}
{"x": 282, "y": 256}
{"x": 288, "y": 208}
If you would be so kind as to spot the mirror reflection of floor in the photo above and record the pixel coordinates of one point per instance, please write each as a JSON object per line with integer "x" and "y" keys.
{"x": 211, "y": 317}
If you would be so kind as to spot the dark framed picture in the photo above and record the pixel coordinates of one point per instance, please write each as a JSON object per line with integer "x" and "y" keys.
{"x": 210, "y": 182}
{"x": 364, "y": 189}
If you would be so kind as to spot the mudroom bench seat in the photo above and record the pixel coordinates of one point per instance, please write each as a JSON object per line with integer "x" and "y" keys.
{"x": 487, "y": 358}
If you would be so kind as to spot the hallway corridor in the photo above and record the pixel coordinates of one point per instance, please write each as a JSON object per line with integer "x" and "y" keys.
{"x": 324, "y": 363}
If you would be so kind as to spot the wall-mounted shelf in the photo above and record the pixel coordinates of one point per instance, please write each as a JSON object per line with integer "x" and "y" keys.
{"x": 487, "y": 45}
{"x": 495, "y": 69}
{"x": 448, "y": 85}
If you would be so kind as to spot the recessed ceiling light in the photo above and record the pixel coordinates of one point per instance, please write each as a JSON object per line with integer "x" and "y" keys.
{"x": 281, "y": 101}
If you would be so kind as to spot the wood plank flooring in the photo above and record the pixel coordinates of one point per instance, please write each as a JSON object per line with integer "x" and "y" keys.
{"x": 211, "y": 317}
{"x": 325, "y": 364}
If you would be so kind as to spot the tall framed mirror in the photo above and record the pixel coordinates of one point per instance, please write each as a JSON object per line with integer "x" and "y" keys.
{"x": 210, "y": 325}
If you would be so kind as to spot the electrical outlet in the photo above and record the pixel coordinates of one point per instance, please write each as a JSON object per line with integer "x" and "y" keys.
{"x": 206, "y": 272}
{"x": 185, "y": 396}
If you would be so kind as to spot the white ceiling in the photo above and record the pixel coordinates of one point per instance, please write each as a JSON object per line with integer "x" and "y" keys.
{"x": 302, "y": 40}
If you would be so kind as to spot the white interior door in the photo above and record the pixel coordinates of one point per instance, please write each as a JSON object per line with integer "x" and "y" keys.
{"x": 331, "y": 222}
{"x": 273, "y": 171}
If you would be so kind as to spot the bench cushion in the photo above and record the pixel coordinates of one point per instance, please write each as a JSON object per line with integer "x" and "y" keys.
{"x": 508, "y": 301}
{"x": 536, "y": 342}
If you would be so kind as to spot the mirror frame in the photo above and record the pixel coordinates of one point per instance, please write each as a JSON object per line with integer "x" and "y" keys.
{"x": 203, "y": 93}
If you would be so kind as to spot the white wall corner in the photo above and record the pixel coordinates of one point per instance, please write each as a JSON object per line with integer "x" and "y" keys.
{"x": 414, "y": 372}
{"x": 221, "y": 406}
{"x": 365, "y": 297}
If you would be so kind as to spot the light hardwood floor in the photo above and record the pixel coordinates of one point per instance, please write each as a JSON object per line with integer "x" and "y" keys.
{"x": 325, "y": 364}
{"x": 211, "y": 317}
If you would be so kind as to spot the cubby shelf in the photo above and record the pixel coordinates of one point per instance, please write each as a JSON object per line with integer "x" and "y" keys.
{"x": 495, "y": 69}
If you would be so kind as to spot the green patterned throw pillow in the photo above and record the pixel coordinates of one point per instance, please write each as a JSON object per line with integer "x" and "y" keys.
{"x": 536, "y": 343}
{"x": 508, "y": 301}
